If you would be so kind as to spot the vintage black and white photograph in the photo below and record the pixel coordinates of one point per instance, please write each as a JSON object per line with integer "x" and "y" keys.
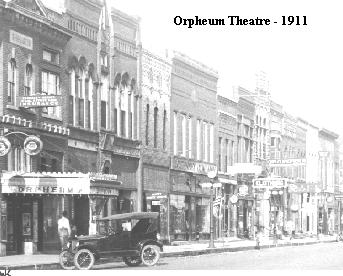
{"x": 170, "y": 135}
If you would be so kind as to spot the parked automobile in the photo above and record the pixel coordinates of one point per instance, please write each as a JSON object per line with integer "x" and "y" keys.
{"x": 135, "y": 239}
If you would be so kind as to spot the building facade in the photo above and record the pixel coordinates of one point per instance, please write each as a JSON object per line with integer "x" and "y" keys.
{"x": 193, "y": 139}
{"x": 227, "y": 145}
{"x": 155, "y": 133}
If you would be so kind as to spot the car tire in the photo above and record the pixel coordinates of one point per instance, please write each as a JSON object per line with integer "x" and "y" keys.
{"x": 150, "y": 255}
{"x": 132, "y": 261}
{"x": 83, "y": 255}
{"x": 66, "y": 259}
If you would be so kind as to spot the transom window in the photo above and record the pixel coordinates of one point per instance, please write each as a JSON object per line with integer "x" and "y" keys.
{"x": 51, "y": 56}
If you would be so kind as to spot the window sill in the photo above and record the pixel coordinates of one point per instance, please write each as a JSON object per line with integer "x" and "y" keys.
{"x": 9, "y": 106}
{"x": 52, "y": 117}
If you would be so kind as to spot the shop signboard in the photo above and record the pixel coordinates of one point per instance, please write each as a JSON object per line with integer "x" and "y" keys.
{"x": 243, "y": 190}
{"x": 155, "y": 202}
{"x": 40, "y": 101}
{"x": 269, "y": 183}
{"x": 233, "y": 199}
{"x": 39, "y": 183}
{"x": 5, "y": 146}
{"x": 287, "y": 162}
{"x": 192, "y": 166}
{"x": 156, "y": 196}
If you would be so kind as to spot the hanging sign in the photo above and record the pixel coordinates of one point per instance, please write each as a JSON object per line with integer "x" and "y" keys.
{"x": 5, "y": 146}
{"x": 243, "y": 190}
{"x": 32, "y": 145}
{"x": 233, "y": 199}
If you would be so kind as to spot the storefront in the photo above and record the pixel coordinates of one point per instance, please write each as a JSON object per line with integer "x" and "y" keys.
{"x": 189, "y": 202}
{"x": 32, "y": 203}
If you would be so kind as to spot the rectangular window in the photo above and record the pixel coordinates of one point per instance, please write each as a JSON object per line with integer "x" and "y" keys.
{"x": 175, "y": 136}
{"x": 220, "y": 154}
{"x": 71, "y": 110}
{"x": 115, "y": 114}
{"x": 28, "y": 81}
{"x": 164, "y": 128}
{"x": 147, "y": 124}
{"x": 103, "y": 114}
{"x": 190, "y": 137}
{"x": 205, "y": 142}
{"x": 11, "y": 82}
{"x": 122, "y": 123}
{"x": 155, "y": 126}
{"x": 211, "y": 146}
{"x": 51, "y": 56}
{"x": 198, "y": 139}
{"x": 81, "y": 112}
{"x": 226, "y": 154}
{"x": 51, "y": 86}
{"x": 272, "y": 141}
{"x": 183, "y": 134}
{"x": 104, "y": 103}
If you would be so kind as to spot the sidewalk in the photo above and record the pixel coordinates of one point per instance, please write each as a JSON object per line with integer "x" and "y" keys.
{"x": 44, "y": 261}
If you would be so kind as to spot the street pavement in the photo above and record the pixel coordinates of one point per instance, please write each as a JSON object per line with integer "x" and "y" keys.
{"x": 327, "y": 256}
{"x": 43, "y": 261}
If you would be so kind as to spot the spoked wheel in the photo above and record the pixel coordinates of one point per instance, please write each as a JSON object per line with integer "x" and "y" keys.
{"x": 84, "y": 259}
{"x": 132, "y": 261}
{"x": 67, "y": 259}
{"x": 150, "y": 255}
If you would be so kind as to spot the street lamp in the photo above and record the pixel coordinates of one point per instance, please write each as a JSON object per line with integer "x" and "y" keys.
{"x": 211, "y": 175}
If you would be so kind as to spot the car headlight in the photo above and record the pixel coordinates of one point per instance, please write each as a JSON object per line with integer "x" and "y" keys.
{"x": 68, "y": 245}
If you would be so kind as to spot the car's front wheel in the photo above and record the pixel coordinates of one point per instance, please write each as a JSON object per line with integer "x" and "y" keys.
{"x": 84, "y": 259}
{"x": 150, "y": 254}
{"x": 132, "y": 261}
{"x": 67, "y": 259}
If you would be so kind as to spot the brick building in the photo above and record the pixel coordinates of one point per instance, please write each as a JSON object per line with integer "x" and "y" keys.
{"x": 227, "y": 145}
{"x": 155, "y": 128}
{"x": 193, "y": 139}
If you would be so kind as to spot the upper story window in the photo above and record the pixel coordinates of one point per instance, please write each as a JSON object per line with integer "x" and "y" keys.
{"x": 103, "y": 60}
{"x": 51, "y": 56}
{"x": 51, "y": 86}
{"x": 12, "y": 82}
{"x": 28, "y": 90}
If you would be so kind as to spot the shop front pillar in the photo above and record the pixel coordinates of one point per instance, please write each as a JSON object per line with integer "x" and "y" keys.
{"x": 3, "y": 226}
{"x": 234, "y": 219}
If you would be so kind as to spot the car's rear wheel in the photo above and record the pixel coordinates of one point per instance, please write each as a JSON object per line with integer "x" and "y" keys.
{"x": 84, "y": 259}
{"x": 67, "y": 259}
{"x": 132, "y": 261}
{"x": 150, "y": 255}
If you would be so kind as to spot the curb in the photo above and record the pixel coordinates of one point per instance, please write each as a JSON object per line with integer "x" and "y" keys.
{"x": 55, "y": 266}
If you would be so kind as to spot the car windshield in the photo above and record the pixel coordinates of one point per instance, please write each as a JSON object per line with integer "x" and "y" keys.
{"x": 108, "y": 227}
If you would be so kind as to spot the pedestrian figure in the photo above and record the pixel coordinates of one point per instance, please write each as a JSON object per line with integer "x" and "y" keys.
{"x": 258, "y": 239}
{"x": 275, "y": 236}
{"x": 63, "y": 229}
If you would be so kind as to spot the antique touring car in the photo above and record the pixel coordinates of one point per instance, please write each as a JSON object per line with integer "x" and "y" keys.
{"x": 132, "y": 236}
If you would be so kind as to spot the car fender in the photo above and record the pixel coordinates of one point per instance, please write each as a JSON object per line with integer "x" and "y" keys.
{"x": 143, "y": 243}
{"x": 90, "y": 248}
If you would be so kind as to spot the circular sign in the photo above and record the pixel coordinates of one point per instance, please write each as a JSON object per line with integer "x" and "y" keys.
{"x": 211, "y": 174}
{"x": 329, "y": 199}
{"x": 243, "y": 190}
{"x": 233, "y": 199}
{"x": 33, "y": 145}
{"x": 5, "y": 146}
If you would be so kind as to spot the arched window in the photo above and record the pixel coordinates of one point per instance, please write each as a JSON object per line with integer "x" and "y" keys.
{"x": 81, "y": 89}
{"x": 11, "y": 82}
{"x": 28, "y": 81}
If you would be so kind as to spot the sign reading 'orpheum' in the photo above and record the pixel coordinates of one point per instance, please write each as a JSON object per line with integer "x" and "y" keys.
{"x": 40, "y": 101}
{"x": 192, "y": 166}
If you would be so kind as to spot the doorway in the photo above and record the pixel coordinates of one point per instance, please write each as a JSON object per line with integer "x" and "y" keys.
{"x": 81, "y": 215}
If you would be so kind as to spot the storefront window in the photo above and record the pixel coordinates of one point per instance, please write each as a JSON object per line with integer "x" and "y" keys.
{"x": 177, "y": 215}
{"x": 203, "y": 214}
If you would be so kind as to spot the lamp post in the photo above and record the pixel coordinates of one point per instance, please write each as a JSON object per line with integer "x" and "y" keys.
{"x": 211, "y": 175}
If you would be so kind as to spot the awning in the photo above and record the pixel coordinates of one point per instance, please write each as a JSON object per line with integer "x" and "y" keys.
{"x": 57, "y": 183}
